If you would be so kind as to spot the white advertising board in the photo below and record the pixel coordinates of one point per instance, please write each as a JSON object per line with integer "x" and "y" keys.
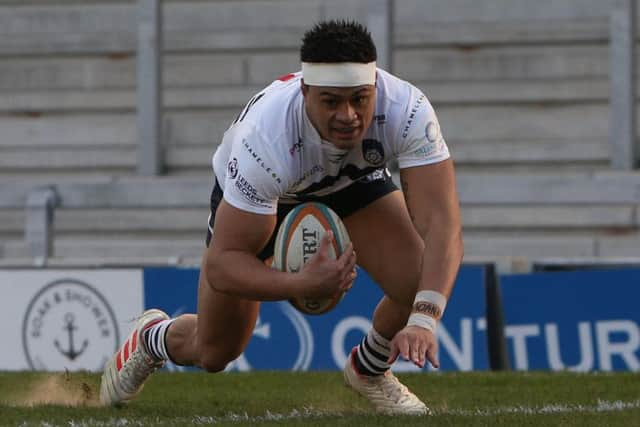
{"x": 56, "y": 320}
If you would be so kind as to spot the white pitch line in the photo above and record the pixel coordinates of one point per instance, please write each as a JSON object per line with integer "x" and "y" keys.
{"x": 558, "y": 408}
{"x": 201, "y": 420}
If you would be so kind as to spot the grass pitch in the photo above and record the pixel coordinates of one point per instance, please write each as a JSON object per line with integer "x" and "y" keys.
{"x": 320, "y": 399}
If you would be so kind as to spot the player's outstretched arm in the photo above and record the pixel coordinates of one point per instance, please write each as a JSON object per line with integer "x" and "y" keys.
{"x": 432, "y": 200}
{"x": 232, "y": 265}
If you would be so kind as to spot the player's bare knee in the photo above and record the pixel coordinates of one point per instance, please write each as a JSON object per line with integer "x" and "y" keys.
{"x": 401, "y": 283}
{"x": 402, "y": 305}
{"x": 402, "y": 294}
{"x": 215, "y": 360}
{"x": 213, "y": 364}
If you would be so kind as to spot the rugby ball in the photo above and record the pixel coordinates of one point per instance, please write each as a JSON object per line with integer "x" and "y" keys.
{"x": 298, "y": 239}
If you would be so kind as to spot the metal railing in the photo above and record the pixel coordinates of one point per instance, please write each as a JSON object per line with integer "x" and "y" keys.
{"x": 149, "y": 86}
{"x": 622, "y": 123}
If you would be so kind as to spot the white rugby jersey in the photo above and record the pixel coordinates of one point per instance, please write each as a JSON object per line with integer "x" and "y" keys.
{"x": 272, "y": 153}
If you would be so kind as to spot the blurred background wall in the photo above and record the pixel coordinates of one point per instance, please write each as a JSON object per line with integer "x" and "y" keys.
{"x": 522, "y": 90}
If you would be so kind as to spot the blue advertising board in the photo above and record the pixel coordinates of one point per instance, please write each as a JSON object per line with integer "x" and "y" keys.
{"x": 285, "y": 339}
{"x": 577, "y": 320}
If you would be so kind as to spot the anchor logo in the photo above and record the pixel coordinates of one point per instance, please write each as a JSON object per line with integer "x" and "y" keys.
{"x": 69, "y": 324}
{"x": 71, "y": 353}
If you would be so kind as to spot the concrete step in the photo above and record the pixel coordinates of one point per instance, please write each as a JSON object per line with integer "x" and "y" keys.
{"x": 111, "y": 26}
{"x": 158, "y": 220}
{"x": 491, "y": 62}
{"x": 75, "y": 130}
{"x": 38, "y": 159}
{"x": 118, "y": 100}
{"x": 469, "y": 22}
{"x": 116, "y": 161}
{"x": 165, "y": 221}
{"x": 104, "y": 191}
{"x": 441, "y": 94}
{"x": 604, "y": 189}
{"x": 510, "y": 152}
{"x": 101, "y": 262}
{"x": 555, "y": 217}
{"x": 522, "y": 64}
{"x": 541, "y": 244}
{"x": 12, "y": 221}
{"x": 573, "y": 122}
{"x": 553, "y": 126}
{"x": 480, "y": 153}
{"x": 531, "y": 244}
{"x": 114, "y": 248}
{"x": 190, "y": 25}
{"x": 91, "y": 72}
{"x": 203, "y": 172}
{"x": 510, "y": 189}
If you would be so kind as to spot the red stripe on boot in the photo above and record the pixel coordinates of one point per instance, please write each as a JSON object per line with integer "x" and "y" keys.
{"x": 126, "y": 350}
{"x": 118, "y": 361}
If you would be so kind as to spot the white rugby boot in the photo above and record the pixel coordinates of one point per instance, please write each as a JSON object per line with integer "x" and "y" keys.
{"x": 125, "y": 373}
{"x": 387, "y": 394}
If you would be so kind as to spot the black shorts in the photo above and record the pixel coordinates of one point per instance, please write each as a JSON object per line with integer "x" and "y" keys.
{"x": 344, "y": 202}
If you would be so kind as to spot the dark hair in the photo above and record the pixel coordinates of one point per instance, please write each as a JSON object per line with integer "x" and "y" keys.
{"x": 338, "y": 41}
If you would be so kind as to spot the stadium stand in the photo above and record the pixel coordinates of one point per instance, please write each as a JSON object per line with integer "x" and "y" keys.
{"x": 522, "y": 96}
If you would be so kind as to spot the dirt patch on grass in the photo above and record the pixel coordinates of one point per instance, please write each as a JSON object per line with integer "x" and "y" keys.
{"x": 59, "y": 389}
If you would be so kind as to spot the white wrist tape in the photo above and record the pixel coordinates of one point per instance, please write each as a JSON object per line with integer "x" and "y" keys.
{"x": 428, "y": 308}
{"x": 424, "y": 321}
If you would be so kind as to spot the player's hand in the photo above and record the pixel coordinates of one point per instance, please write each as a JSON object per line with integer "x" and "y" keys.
{"x": 415, "y": 344}
{"x": 325, "y": 276}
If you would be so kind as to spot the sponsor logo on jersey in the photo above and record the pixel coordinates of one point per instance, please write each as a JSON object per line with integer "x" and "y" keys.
{"x": 295, "y": 148}
{"x": 380, "y": 119}
{"x": 350, "y": 171}
{"x": 249, "y": 192}
{"x": 372, "y": 151}
{"x": 260, "y": 161}
{"x": 232, "y": 168}
{"x": 429, "y": 149}
{"x": 412, "y": 115}
{"x": 314, "y": 170}
{"x": 432, "y": 131}
{"x": 376, "y": 175}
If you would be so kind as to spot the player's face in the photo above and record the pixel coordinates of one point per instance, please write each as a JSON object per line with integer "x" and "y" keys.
{"x": 341, "y": 115}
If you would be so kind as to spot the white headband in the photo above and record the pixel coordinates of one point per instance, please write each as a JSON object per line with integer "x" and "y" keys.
{"x": 339, "y": 74}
